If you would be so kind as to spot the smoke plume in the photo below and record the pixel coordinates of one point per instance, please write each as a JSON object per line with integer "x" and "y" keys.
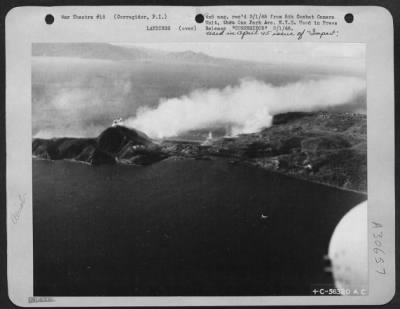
{"x": 247, "y": 107}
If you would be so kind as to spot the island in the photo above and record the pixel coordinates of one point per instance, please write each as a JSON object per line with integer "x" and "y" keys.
{"x": 324, "y": 147}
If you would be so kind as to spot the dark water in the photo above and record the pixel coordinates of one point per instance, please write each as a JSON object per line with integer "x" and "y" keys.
{"x": 180, "y": 228}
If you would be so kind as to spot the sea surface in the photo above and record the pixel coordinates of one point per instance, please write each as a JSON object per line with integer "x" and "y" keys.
{"x": 180, "y": 228}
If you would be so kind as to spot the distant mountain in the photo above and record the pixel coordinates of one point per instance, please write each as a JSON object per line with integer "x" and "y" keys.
{"x": 191, "y": 56}
{"x": 88, "y": 51}
{"x": 105, "y": 51}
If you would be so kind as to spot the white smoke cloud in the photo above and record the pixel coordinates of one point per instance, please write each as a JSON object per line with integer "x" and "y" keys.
{"x": 247, "y": 107}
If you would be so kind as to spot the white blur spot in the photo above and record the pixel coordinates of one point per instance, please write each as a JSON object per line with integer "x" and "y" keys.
{"x": 348, "y": 250}
{"x": 117, "y": 122}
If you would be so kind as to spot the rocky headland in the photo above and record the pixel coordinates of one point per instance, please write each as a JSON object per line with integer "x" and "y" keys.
{"x": 324, "y": 147}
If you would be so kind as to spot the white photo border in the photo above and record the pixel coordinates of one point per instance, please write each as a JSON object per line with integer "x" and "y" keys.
{"x": 25, "y": 25}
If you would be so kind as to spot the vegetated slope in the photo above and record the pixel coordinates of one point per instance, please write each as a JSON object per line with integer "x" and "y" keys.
{"x": 115, "y": 144}
{"x": 330, "y": 148}
{"x": 325, "y": 147}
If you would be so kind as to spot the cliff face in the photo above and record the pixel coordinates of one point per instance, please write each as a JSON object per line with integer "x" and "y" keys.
{"x": 115, "y": 144}
{"x": 61, "y": 148}
{"x": 329, "y": 148}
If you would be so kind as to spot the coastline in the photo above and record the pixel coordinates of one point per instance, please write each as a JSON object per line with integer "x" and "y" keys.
{"x": 173, "y": 159}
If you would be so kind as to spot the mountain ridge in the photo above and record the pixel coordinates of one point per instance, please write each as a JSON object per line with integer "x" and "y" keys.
{"x": 107, "y": 51}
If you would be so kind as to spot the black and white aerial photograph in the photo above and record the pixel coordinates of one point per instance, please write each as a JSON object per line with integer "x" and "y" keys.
{"x": 199, "y": 169}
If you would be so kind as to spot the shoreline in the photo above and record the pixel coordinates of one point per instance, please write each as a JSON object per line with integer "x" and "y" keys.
{"x": 211, "y": 158}
{"x": 320, "y": 147}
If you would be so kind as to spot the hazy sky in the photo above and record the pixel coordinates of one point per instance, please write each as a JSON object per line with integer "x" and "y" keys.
{"x": 324, "y": 54}
{"x": 81, "y": 98}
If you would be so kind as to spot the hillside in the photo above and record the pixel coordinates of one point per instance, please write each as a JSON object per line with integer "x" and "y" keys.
{"x": 114, "y": 145}
{"x": 329, "y": 148}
